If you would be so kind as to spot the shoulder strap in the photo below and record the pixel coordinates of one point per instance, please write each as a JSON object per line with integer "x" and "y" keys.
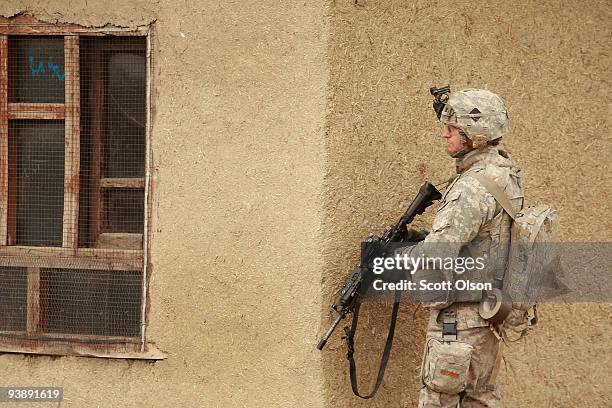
{"x": 496, "y": 192}
{"x": 350, "y": 333}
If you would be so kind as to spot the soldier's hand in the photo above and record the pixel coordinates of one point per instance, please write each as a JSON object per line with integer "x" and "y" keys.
{"x": 414, "y": 235}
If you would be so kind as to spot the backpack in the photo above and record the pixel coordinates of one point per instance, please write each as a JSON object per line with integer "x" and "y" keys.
{"x": 532, "y": 265}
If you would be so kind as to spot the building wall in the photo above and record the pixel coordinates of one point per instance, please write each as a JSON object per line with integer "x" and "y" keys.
{"x": 549, "y": 61}
{"x": 285, "y": 132}
{"x": 240, "y": 97}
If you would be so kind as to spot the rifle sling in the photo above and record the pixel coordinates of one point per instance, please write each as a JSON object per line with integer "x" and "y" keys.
{"x": 386, "y": 353}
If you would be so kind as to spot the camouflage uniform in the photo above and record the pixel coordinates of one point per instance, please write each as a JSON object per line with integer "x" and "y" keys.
{"x": 468, "y": 220}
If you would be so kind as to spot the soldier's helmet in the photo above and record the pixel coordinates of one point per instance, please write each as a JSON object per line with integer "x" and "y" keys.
{"x": 477, "y": 112}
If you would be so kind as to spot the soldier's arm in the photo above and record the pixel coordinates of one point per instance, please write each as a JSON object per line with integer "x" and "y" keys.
{"x": 464, "y": 211}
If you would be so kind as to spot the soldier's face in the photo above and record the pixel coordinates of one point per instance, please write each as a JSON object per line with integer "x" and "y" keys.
{"x": 450, "y": 134}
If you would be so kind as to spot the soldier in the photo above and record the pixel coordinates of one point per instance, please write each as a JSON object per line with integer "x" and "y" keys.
{"x": 463, "y": 350}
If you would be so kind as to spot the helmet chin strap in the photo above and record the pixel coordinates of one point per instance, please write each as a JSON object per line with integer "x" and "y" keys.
{"x": 465, "y": 149}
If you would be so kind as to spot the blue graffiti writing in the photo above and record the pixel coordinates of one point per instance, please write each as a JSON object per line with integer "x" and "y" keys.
{"x": 35, "y": 70}
{"x": 55, "y": 69}
{"x": 39, "y": 68}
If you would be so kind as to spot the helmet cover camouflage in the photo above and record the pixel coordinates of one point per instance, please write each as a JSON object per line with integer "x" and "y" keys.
{"x": 477, "y": 112}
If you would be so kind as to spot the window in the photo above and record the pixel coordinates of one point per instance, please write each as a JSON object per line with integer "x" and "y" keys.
{"x": 73, "y": 189}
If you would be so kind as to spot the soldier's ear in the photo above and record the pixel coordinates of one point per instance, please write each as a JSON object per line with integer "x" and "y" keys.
{"x": 479, "y": 141}
{"x": 468, "y": 143}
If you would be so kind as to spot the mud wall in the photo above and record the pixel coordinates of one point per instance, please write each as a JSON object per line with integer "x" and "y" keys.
{"x": 239, "y": 94}
{"x": 550, "y": 62}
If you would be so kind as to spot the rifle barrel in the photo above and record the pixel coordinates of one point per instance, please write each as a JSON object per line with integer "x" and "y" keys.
{"x": 329, "y": 332}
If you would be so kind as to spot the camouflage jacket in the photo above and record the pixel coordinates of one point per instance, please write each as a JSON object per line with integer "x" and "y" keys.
{"x": 469, "y": 222}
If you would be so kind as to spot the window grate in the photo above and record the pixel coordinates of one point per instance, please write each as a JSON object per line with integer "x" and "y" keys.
{"x": 73, "y": 140}
{"x": 13, "y": 299}
{"x": 91, "y": 302}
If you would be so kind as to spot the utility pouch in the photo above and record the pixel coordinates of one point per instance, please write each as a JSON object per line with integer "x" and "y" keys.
{"x": 445, "y": 365}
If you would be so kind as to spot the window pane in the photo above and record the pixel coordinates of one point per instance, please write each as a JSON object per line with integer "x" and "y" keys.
{"x": 37, "y": 150}
{"x": 113, "y": 129}
{"x": 36, "y": 69}
{"x": 125, "y": 115}
{"x": 13, "y": 299}
{"x": 90, "y": 302}
{"x": 124, "y": 210}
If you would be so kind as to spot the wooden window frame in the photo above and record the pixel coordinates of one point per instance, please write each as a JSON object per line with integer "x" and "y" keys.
{"x": 69, "y": 255}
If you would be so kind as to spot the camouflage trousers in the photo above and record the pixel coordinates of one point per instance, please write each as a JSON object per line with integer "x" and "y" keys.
{"x": 461, "y": 373}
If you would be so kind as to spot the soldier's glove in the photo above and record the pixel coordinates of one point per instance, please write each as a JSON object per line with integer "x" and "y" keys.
{"x": 413, "y": 235}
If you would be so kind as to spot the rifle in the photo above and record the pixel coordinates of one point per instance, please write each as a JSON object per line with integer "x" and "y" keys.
{"x": 361, "y": 277}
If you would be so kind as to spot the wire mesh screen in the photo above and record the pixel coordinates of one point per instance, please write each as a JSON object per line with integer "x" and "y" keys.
{"x": 113, "y": 128}
{"x": 37, "y": 152}
{"x": 36, "y": 70}
{"x": 90, "y": 302}
{"x": 124, "y": 210}
{"x": 75, "y": 186}
{"x": 13, "y": 298}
